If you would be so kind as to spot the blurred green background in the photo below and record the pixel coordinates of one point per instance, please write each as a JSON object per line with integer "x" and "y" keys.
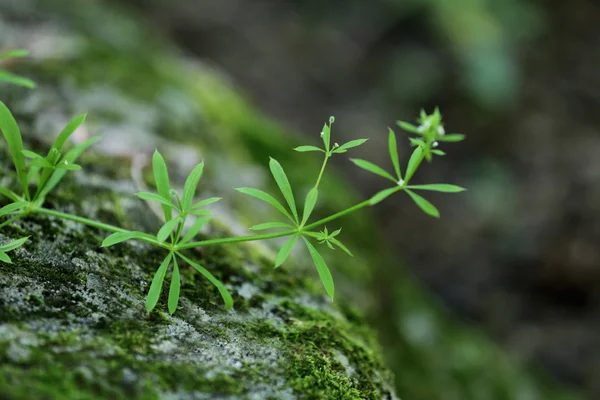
{"x": 500, "y": 298}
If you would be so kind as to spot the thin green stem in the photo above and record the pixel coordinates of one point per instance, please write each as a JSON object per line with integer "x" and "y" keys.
{"x": 237, "y": 239}
{"x": 95, "y": 224}
{"x": 327, "y": 155}
{"x": 337, "y": 215}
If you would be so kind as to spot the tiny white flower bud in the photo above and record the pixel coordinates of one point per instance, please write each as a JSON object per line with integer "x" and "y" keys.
{"x": 434, "y": 144}
{"x": 441, "y": 131}
{"x": 322, "y": 133}
{"x": 336, "y": 145}
{"x": 66, "y": 162}
{"x": 401, "y": 182}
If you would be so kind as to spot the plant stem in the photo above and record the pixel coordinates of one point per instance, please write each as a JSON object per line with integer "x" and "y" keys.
{"x": 237, "y": 239}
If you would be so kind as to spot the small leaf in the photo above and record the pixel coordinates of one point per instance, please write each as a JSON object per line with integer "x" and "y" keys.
{"x": 30, "y": 154}
{"x": 189, "y": 189}
{"x": 157, "y": 283}
{"x": 413, "y": 163}
{"x": 12, "y": 135}
{"x": 68, "y": 131}
{"x": 4, "y": 191}
{"x": 15, "y": 244}
{"x": 69, "y": 167}
{"x": 408, "y": 127}
{"x": 303, "y": 149}
{"x": 16, "y": 80}
{"x": 41, "y": 163}
{"x": 206, "y": 202}
{"x": 322, "y": 269}
{"x": 155, "y": 197}
{"x": 119, "y": 237}
{"x": 17, "y": 53}
{"x": 161, "y": 178}
{"x": 380, "y": 196}
{"x": 453, "y": 137}
{"x": 341, "y": 246}
{"x": 219, "y": 285}
{"x": 285, "y": 251}
{"x": 417, "y": 142}
{"x": 439, "y": 187}
{"x": 425, "y": 205}
{"x": 259, "y": 194}
{"x": 309, "y": 204}
{"x": 200, "y": 213}
{"x": 12, "y": 207}
{"x": 368, "y": 166}
{"x": 270, "y": 225}
{"x": 194, "y": 229}
{"x": 5, "y": 258}
{"x": 284, "y": 185}
{"x": 175, "y": 287}
{"x": 393, "y": 149}
{"x": 438, "y": 152}
{"x": 166, "y": 229}
{"x": 349, "y": 145}
{"x": 325, "y": 135}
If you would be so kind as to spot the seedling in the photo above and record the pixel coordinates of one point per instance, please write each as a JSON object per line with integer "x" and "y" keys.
{"x": 42, "y": 174}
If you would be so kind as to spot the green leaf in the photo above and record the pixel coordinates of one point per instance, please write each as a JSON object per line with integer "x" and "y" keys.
{"x": 189, "y": 189}
{"x": 70, "y": 157}
{"x": 220, "y": 287}
{"x": 285, "y": 251}
{"x": 68, "y": 167}
{"x": 206, "y": 202}
{"x": 393, "y": 148}
{"x": 5, "y": 258}
{"x": 368, "y": 166}
{"x": 200, "y": 213}
{"x": 16, "y": 80}
{"x": 309, "y": 204}
{"x": 417, "y": 142}
{"x": 155, "y": 197}
{"x": 41, "y": 163}
{"x": 194, "y": 229}
{"x": 284, "y": 185}
{"x": 157, "y": 283}
{"x": 380, "y": 196}
{"x": 12, "y": 207}
{"x": 166, "y": 229}
{"x": 17, "y": 53}
{"x": 413, "y": 163}
{"x": 408, "y": 127}
{"x": 438, "y": 152}
{"x": 453, "y": 137}
{"x": 4, "y": 191}
{"x": 425, "y": 205}
{"x": 161, "y": 178}
{"x": 325, "y": 135}
{"x": 341, "y": 246}
{"x": 31, "y": 154}
{"x": 438, "y": 187}
{"x": 119, "y": 237}
{"x": 68, "y": 131}
{"x": 15, "y": 244}
{"x": 270, "y": 225}
{"x": 12, "y": 135}
{"x": 259, "y": 194}
{"x": 322, "y": 268}
{"x": 303, "y": 149}
{"x": 353, "y": 143}
{"x": 175, "y": 287}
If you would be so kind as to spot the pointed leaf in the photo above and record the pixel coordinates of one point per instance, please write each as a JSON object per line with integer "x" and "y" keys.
{"x": 12, "y": 207}
{"x": 17, "y": 53}
{"x": 453, "y": 137}
{"x": 413, "y": 163}
{"x": 5, "y": 258}
{"x": 425, "y": 205}
{"x": 16, "y": 79}
{"x": 380, "y": 196}
{"x": 270, "y": 225}
{"x": 161, "y": 178}
{"x": 438, "y": 152}
{"x": 200, "y": 213}
{"x": 119, "y": 237}
{"x": 194, "y": 229}
{"x": 309, "y": 204}
{"x": 439, "y": 187}
{"x": 393, "y": 149}
{"x": 284, "y": 185}
{"x": 341, "y": 246}
{"x": 68, "y": 131}
{"x": 322, "y": 268}
{"x": 191, "y": 183}
{"x": 166, "y": 229}
{"x": 12, "y": 135}
{"x": 30, "y": 154}
{"x": 206, "y": 202}
{"x": 408, "y": 127}
{"x": 285, "y": 251}
{"x": 15, "y": 244}
{"x": 219, "y": 285}
{"x": 41, "y": 163}
{"x": 349, "y": 145}
{"x": 69, "y": 167}
{"x": 303, "y": 149}
{"x": 325, "y": 135}
{"x": 259, "y": 194}
{"x": 368, "y": 166}
{"x": 155, "y": 197}
{"x": 157, "y": 283}
{"x": 4, "y": 191}
{"x": 175, "y": 287}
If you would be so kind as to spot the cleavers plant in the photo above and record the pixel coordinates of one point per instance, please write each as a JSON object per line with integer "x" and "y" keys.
{"x": 37, "y": 175}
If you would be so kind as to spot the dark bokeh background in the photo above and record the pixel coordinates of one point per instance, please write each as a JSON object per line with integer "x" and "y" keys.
{"x": 519, "y": 254}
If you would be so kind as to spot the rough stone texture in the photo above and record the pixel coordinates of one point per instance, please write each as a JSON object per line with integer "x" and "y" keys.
{"x": 72, "y": 317}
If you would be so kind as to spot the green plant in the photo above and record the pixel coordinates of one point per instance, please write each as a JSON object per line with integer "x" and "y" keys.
{"x": 42, "y": 174}
{"x": 6, "y": 76}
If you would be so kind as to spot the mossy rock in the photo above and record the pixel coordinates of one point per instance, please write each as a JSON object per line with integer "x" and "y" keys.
{"x": 73, "y": 324}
